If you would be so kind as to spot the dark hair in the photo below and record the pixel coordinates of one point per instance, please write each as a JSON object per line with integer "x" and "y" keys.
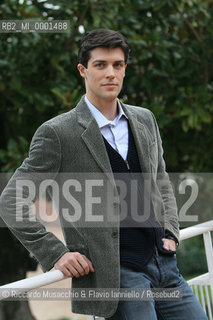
{"x": 104, "y": 38}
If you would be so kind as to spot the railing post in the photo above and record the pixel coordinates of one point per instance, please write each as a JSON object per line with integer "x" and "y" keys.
{"x": 209, "y": 251}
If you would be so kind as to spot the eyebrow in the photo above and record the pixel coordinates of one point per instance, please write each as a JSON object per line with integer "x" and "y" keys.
{"x": 105, "y": 61}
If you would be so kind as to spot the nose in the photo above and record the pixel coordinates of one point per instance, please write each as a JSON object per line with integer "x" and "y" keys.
{"x": 110, "y": 72}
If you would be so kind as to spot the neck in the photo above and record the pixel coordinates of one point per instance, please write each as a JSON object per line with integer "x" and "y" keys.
{"x": 107, "y": 107}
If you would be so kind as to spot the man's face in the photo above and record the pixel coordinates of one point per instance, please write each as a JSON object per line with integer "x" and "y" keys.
{"x": 104, "y": 74}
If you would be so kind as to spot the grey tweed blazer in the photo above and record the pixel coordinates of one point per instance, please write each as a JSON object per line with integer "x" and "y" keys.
{"x": 72, "y": 143}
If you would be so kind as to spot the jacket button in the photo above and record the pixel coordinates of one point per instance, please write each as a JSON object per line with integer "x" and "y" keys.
{"x": 116, "y": 205}
{"x": 114, "y": 234}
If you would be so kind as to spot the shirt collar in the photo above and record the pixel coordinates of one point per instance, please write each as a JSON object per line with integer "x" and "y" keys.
{"x": 101, "y": 120}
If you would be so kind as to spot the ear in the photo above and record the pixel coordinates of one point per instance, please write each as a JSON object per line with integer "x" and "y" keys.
{"x": 81, "y": 70}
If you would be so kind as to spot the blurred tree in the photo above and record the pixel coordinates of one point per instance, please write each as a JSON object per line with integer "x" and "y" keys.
{"x": 170, "y": 72}
{"x": 171, "y": 55}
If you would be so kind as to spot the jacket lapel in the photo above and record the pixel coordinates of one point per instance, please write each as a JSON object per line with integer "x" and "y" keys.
{"x": 139, "y": 132}
{"x": 92, "y": 137}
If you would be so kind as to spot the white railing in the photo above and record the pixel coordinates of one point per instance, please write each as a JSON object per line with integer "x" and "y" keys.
{"x": 202, "y": 285}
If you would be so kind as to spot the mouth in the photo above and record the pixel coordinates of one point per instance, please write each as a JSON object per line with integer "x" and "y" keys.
{"x": 109, "y": 85}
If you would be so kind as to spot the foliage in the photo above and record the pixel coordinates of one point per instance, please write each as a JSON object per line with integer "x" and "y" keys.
{"x": 170, "y": 70}
{"x": 13, "y": 156}
{"x": 191, "y": 250}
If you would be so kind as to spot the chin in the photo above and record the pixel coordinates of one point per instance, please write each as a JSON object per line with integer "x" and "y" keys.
{"x": 112, "y": 95}
{"x": 111, "y": 98}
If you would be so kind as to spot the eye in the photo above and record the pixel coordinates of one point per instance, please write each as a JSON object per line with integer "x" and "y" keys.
{"x": 99, "y": 65}
{"x": 119, "y": 64}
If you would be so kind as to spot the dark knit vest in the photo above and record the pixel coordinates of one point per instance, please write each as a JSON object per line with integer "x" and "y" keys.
{"x": 138, "y": 242}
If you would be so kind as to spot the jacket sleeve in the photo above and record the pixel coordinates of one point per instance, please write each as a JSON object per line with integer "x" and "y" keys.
{"x": 170, "y": 215}
{"x": 18, "y": 197}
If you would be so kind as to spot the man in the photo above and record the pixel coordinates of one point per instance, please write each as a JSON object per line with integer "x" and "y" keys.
{"x": 105, "y": 137}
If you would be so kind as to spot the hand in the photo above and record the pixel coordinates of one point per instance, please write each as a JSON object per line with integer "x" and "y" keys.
{"x": 169, "y": 244}
{"x": 74, "y": 264}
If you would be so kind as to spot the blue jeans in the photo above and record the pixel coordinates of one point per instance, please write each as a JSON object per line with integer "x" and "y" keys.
{"x": 161, "y": 272}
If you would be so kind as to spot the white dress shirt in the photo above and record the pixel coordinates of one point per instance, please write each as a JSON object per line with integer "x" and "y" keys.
{"x": 115, "y": 131}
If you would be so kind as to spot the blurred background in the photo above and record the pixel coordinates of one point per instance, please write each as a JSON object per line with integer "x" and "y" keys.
{"x": 170, "y": 72}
